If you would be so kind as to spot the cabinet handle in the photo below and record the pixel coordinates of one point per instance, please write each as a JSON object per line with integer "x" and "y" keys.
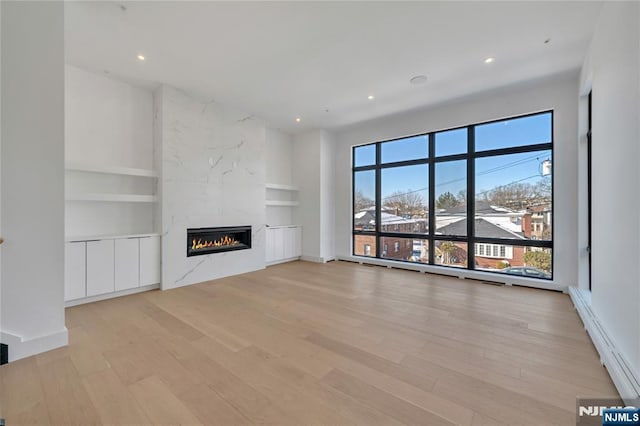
{"x": 1, "y": 240}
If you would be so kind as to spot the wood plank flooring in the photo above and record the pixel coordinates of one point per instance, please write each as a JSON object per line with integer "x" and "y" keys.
{"x": 310, "y": 344}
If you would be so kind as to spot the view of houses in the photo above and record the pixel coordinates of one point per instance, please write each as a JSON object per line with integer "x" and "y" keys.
{"x": 530, "y": 222}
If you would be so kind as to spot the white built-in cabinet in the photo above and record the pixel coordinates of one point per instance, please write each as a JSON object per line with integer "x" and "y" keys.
{"x": 75, "y": 286}
{"x": 110, "y": 266}
{"x": 283, "y": 244}
{"x": 100, "y": 271}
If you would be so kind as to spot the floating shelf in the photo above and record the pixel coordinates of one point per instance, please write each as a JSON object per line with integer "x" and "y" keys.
{"x": 282, "y": 203}
{"x": 281, "y": 187}
{"x": 124, "y": 198}
{"x": 126, "y": 171}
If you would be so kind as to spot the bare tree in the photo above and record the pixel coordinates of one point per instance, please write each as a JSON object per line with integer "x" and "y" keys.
{"x": 408, "y": 203}
{"x": 361, "y": 202}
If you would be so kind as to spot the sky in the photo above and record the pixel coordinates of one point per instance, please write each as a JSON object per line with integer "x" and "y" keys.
{"x": 451, "y": 175}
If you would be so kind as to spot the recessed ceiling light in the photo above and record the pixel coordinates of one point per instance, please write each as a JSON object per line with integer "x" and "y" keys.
{"x": 489, "y": 60}
{"x": 298, "y": 119}
{"x": 547, "y": 41}
{"x": 370, "y": 97}
{"x": 140, "y": 57}
{"x": 418, "y": 79}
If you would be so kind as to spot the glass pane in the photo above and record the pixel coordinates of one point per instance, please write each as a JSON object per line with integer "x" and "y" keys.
{"x": 409, "y": 249}
{"x": 405, "y": 198}
{"x": 451, "y": 142}
{"x": 412, "y": 148}
{"x": 364, "y": 200}
{"x": 533, "y": 262}
{"x": 451, "y": 198}
{"x": 513, "y": 196}
{"x": 364, "y": 245}
{"x": 364, "y": 155}
{"x": 514, "y": 132}
{"x": 451, "y": 253}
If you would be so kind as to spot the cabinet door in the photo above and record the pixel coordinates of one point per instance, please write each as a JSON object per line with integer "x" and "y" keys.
{"x": 75, "y": 269}
{"x": 100, "y": 265}
{"x": 149, "y": 260}
{"x": 289, "y": 241}
{"x": 270, "y": 245}
{"x": 297, "y": 248}
{"x": 127, "y": 266}
{"x": 278, "y": 244}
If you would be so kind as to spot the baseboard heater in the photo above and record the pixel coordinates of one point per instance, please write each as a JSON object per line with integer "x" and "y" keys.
{"x": 626, "y": 382}
{"x": 4, "y": 354}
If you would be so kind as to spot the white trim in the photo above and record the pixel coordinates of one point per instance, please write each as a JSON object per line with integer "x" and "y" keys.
{"x": 317, "y": 259}
{"x": 459, "y": 273}
{"x": 20, "y": 347}
{"x": 626, "y": 382}
{"x": 106, "y": 296}
{"x": 276, "y": 262}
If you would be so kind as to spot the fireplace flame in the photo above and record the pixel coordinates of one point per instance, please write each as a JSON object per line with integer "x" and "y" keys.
{"x": 224, "y": 241}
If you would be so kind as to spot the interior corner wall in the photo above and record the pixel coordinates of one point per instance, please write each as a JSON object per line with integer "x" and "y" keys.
{"x": 613, "y": 68}
{"x": 557, "y": 93}
{"x": 32, "y": 176}
{"x": 213, "y": 174}
{"x": 327, "y": 200}
{"x": 314, "y": 174}
{"x": 306, "y": 176}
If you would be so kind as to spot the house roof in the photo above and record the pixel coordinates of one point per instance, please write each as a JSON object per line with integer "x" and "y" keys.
{"x": 484, "y": 228}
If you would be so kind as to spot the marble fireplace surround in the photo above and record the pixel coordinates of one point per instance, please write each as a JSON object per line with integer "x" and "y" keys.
{"x": 213, "y": 175}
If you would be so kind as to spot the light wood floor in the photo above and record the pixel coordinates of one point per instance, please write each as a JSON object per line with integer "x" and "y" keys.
{"x": 303, "y": 344}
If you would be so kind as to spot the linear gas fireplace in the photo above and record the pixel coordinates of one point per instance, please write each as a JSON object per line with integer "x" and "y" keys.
{"x": 217, "y": 240}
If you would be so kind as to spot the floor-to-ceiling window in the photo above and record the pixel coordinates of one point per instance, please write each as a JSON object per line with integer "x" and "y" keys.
{"x": 477, "y": 197}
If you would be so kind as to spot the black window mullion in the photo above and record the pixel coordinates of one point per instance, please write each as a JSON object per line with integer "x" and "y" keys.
{"x": 471, "y": 197}
{"x": 378, "y": 199}
{"x": 432, "y": 197}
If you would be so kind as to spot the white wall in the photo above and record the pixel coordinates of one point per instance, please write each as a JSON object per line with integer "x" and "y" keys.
{"x": 278, "y": 157}
{"x": 558, "y": 93}
{"x": 306, "y": 176}
{"x": 613, "y": 71}
{"x": 107, "y": 122}
{"x": 327, "y": 191}
{"x": 313, "y": 173}
{"x": 32, "y": 177}
{"x": 213, "y": 174}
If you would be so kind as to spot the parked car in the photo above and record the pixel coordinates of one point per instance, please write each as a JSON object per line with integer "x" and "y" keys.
{"x": 527, "y": 271}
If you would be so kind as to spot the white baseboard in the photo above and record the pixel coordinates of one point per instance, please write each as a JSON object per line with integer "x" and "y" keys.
{"x": 317, "y": 259}
{"x": 627, "y": 383}
{"x": 20, "y": 347}
{"x": 106, "y": 296}
{"x": 279, "y": 261}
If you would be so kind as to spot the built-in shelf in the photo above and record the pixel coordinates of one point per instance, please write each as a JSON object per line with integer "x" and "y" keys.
{"x": 126, "y": 171}
{"x": 281, "y": 203}
{"x": 76, "y": 238}
{"x": 123, "y": 198}
{"x": 281, "y": 187}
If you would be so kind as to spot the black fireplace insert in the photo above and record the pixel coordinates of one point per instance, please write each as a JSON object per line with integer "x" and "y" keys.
{"x": 217, "y": 240}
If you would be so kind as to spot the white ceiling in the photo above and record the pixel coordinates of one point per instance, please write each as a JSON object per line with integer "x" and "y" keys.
{"x": 320, "y": 60}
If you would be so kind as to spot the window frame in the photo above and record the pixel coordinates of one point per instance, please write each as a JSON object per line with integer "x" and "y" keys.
{"x": 431, "y": 160}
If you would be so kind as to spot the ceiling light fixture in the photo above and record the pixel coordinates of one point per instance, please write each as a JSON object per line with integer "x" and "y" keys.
{"x": 418, "y": 79}
{"x": 489, "y": 60}
{"x": 140, "y": 57}
{"x": 298, "y": 119}
{"x": 370, "y": 97}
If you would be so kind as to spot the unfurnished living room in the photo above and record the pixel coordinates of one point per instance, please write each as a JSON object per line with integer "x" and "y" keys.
{"x": 320, "y": 213}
